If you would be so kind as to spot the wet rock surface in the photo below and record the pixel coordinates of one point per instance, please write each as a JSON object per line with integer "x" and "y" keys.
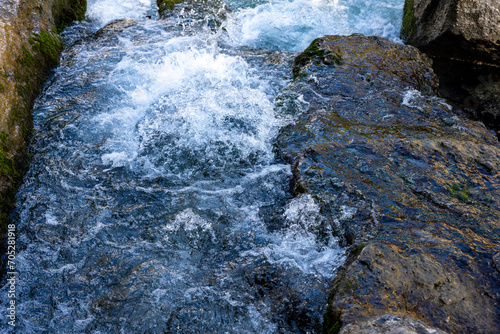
{"x": 417, "y": 188}
{"x": 212, "y": 12}
{"x": 389, "y": 323}
{"x": 463, "y": 38}
{"x": 29, "y": 48}
{"x": 465, "y": 29}
{"x": 473, "y": 89}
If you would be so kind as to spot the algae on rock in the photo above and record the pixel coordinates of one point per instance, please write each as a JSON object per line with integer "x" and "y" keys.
{"x": 408, "y": 26}
{"x": 29, "y": 48}
{"x": 164, "y": 5}
{"x": 424, "y": 186}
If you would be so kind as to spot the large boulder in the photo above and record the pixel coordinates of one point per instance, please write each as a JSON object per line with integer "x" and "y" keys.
{"x": 413, "y": 190}
{"x": 463, "y": 38}
{"x": 468, "y": 30}
{"x": 29, "y": 48}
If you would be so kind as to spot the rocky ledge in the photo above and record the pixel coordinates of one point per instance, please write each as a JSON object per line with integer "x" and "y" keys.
{"x": 29, "y": 47}
{"x": 467, "y": 30}
{"x": 413, "y": 189}
{"x": 463, "y": 38}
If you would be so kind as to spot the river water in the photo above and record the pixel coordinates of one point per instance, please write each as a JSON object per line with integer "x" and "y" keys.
{"x": 154, "y": 201}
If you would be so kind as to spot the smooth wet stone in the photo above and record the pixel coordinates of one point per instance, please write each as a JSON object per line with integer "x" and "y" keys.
{"x": 421, "y": 186}
{"x": 114, "y": 28}
{"x": 389, "y": 323}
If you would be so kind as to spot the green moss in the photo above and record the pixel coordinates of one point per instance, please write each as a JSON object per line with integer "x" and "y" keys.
{"x": 27, "y": 59}
{"x": 460, "y": 192}
{"x": 164, "y": 5}
{"x": 357, "y": 250}
{"x": 9, "y": 177}
{"x": 7, "y": 166}
{"x": 34, "y": 65}
{"x": 331, "y": 321}
{"x": 316, "y": 55}
{"x": 408, "y": 26}
{"x": 437, "y": 285}
{"x": 48, "y": 45}
{"x": 5, "y": 141}
{"x": 67, "y": 11}
{"x": 347, "y": 287}
{"x": 332, "y": 318}
{"x": 26, "y": 77}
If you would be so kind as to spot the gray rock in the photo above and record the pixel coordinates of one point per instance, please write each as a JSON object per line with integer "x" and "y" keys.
{"x": 390, "y": 323}
{"x": 463, "y": 38}
{"x": 421, "y": 186}
{"x": 468, "y": 30}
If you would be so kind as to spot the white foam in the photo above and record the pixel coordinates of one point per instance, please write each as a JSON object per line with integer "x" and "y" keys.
{"x": 51, "y": 219}
{"x": 190, "y": 221}
{"x": 292, "y": 25}
{"x": 303, "y": 213}
{"x": 299, "y": 245}
{"x": 104, "y": 11}
{"x": 411, "y": 97}
{"x": 116, "y": 159}
{"x": 210, "y": 106}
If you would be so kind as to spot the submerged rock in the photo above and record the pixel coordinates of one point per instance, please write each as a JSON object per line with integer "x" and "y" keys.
{"x": 212, "y": 12}
{"x": 29, "y": 48}
{"x": 417, "y": 188}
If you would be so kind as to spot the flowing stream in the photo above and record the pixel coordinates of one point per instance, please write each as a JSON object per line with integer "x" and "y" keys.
{"x": 154, "y": 202}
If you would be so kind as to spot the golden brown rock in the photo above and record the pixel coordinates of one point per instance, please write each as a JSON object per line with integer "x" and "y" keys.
{"x": 29, "y": 48}
{"x": 421, "y": 185}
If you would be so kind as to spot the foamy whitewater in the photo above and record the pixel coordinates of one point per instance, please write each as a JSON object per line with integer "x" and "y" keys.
{"x": 154, "y": 202}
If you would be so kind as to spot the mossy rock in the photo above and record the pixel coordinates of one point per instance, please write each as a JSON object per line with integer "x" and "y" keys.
{"x": 49, "y": 46}
{"x": 422, "y": 185}
{"x": 7, "y": 167}
{"x": 316, "y": 55}
{"x": 26, "y": 64}
{"x": 332, "y": 321}
{"x": 164, "y": 5}
{"x": 65, "y": 12}
{"x": 33, "y": 65}
{"x": 408, "y": 26}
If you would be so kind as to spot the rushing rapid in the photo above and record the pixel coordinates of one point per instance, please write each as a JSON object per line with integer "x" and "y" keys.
{"x": 154, "y": 201}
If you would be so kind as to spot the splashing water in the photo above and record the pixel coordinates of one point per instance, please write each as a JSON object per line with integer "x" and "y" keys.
{"x": 154, "y": 202}
{"x": 103, "y": 11}
{"x": 293, "y": 25}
